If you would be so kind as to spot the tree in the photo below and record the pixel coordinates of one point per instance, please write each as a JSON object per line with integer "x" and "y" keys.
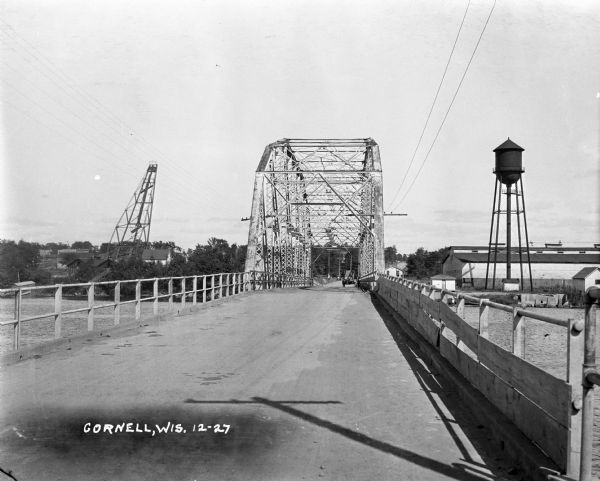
{"x": 163, "y": 245}
{"x": 423, "y": 264}
{"x": 18, "y": 261}
{"x": 82, "y": 245}
{"x": 216, "y": 256}
{"x": 55, "y": 246}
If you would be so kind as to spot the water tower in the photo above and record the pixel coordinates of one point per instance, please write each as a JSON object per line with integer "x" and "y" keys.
{"x": 509, "y": 183}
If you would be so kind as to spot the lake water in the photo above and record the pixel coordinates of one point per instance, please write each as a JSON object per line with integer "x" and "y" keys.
{"x": 546, "y": 344}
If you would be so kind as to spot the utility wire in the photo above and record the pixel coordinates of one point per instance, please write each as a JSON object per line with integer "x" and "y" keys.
{"x": 449, "y": 107}
{"x": 109, "y": 119}
{"x": 432, "y": 105}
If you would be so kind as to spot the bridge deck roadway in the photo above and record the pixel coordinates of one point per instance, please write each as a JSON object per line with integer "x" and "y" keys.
{"x": 311, "y": 382}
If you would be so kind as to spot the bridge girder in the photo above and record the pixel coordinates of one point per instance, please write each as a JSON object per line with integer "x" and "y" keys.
{"x": 316, "y": 193}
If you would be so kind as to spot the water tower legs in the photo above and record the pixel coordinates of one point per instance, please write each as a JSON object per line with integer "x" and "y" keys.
{"x": 494, "y": 248}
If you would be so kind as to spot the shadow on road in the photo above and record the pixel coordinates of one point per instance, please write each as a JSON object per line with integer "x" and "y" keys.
{"x": 432, "y": 387}
{"x": 458, "y": 471}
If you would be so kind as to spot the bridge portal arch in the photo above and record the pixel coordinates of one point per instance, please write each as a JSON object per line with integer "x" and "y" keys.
{"x": 316, "y": 193}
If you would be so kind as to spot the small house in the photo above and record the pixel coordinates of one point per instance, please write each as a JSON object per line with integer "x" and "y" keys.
{"x": 396, "y": 270}
{"x": 444, "y": 281}
{"x": 23, "y": 286}
{"x": 157, "y": 256}
{"x": 511, "y": 285}
{"x": 586, "y": 277}
{"x": 393, "y": 271}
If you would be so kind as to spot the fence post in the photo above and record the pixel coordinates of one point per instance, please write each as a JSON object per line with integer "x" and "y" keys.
{"x": 220, "y": 285}
{"x": 518, "y": 334}
{"x": 90, "y": 323}
{"x": 138, "y": 297}
{"x": 58, "y": 312}
{"x": 170, "y": 293}
{"x": 484, "y": 313}
{"x": 17, "y": 325}
{"x": 213, "y": 289}
{"x": 182, "y": 292}
{"x": 575, "y": 341}
{"x": 195, "y": 289}
{"x": 155, "y": 296}
{"x": 117, "y": 311}
{"x": 203, "y": 289}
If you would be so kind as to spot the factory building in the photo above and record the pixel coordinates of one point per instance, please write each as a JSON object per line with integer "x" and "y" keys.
{"x": 552, "y": 266}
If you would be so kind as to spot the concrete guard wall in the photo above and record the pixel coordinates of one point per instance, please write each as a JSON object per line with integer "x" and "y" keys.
{"x": 532, "y": 420}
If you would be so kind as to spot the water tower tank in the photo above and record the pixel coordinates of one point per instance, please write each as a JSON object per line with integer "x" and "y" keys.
{"x": 509, "y": 162}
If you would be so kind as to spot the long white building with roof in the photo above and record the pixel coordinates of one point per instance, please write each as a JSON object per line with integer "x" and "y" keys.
{"x": 550, "y": 266}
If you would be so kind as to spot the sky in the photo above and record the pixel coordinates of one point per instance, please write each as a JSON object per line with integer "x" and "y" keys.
{"x": 91, "y": 92}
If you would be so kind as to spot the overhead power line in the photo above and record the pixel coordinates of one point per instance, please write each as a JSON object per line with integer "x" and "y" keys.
{"x": 433, "y": 104}
{"x": 135, "y": 145}
{"x": 449, "y": 107}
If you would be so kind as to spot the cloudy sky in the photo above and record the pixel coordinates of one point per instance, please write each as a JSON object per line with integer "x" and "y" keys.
{"x": 93, "y": 91}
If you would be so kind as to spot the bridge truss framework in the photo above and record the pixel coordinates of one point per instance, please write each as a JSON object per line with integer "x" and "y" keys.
{"x": 316, "y": 193}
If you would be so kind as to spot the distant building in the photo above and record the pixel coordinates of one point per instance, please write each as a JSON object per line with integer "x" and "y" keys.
{"x": 444, "y": 281}
{"x": 550, "y": 266}
{"x": 586, "y": 277}
{"x": 396, "y": 270}
{"x": 23, "y": 285}
{"x": 66, "y": 257}
{"x": 157, "y": 256}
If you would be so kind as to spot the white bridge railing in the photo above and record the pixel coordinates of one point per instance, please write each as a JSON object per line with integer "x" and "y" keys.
{"x": 178, "y": 292}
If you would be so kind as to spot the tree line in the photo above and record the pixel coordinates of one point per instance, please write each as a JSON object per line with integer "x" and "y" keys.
{"x": 21, "y": 261}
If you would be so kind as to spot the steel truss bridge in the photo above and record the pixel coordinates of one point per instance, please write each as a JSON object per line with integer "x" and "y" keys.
{"x": 324, "y": 193}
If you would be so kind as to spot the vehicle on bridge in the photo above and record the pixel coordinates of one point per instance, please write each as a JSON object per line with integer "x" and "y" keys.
{"x": 349, "y": 278}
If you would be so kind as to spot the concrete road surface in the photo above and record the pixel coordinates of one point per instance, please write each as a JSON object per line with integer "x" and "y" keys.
{"x": 282, "y": 385}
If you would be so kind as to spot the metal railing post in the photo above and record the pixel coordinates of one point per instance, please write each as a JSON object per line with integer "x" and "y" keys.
{"x": 170, "y": 293}
{"x": 90, "y": 296}
{"x": 117, "y": 308}
{"x": 138, "y": 301}
{"x": 182, "y": 292}
{"x": 213, "y": 289}
{"x": 203, "y": 289}
{"x": 589, "y": 369}
{"x": 575, "y": 340}
{"x": 58, "y": 312}
{"x": 484, "y": 314}
{"x": 460, "y": 312}
{"x": 17, "y": 325}
{"x": 220, "y": 285}
{"x": 460, "y": 307}
{"x": 518, "y": 334}
{"x": 155, "y": 297}
{"x": 195, "y": 290}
